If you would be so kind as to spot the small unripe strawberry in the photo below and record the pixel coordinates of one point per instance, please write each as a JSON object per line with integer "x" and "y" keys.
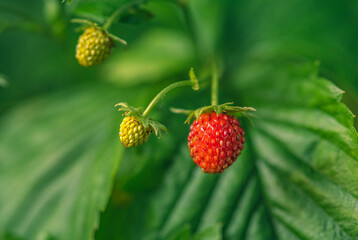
{"x": 93, "y": 47}
{"x": 132, "y": 133}
{"x": 215, "y": 141}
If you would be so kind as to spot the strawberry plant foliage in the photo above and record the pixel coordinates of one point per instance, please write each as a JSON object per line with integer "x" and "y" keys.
{"x": 301, "y": 154}
{"x": 64, "y": 180}
{"x": 296, "y": 179}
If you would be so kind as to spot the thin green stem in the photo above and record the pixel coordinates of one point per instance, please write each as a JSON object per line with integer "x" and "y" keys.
{"x": 119, "y": 11}
{"x": 165, "y": 91}
{"x": 214, "y": 86}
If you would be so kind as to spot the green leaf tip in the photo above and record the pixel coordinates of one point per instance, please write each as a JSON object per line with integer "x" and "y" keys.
{"x": 117, "y": 39}
{"x": 129, "y": 110}
{"x": 194, "y": 79}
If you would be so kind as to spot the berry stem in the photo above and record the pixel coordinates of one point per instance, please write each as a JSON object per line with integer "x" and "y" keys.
{"x": 193, "y": 82}
{"x": 214, "y": 86}
{"x": 119, "y": 11}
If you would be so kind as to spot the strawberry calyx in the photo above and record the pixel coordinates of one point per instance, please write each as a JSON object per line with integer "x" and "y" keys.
{"x": 222, "y": 108}
{"x": 85, "y": 23}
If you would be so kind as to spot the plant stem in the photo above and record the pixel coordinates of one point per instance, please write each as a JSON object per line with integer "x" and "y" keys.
{"x": 214, "y": 86}
{"x": 119, "y": 11}
{"x": 166, "y": 90}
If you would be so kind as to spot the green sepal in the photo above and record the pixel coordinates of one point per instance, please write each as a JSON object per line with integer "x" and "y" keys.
{"x": 222, "y": 108}
{"x": 85, "y": 23}
{"x": 194, "y": 79}
{"x": 128, "y": 109}
{"x": 157, "y": 127}
{"x": 117, "y": 39}
{"x": 147, "y": 122}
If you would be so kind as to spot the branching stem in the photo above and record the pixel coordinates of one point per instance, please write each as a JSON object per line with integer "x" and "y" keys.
{"x": 120, "y": 11}
{"x": 162, "y": 93}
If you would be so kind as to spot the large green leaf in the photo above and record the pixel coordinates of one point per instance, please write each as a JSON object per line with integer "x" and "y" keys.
{"x": 59, "y": 155}
{"x": 296, "y": 179}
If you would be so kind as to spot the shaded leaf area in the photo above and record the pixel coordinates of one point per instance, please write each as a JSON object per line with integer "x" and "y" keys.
{"x": 296, "y": 178}
{"x": 300, "y": 27}
{"x": 10, "y": 236}
{"x": 59, "y": 155}
{"x": 211, "y": 233}
{"x": 19, "y": 49}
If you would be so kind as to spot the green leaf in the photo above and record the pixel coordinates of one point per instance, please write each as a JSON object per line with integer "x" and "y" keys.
{"x": 211, "y": 233}
{"x": 296, "y": 178}
{"x": 57, "y": 167}
{"x": 304, "y": 135}
{"x": 9, "y": 236}
{"x": 305, "y": 32}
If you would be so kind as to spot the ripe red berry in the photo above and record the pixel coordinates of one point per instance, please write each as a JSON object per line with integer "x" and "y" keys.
{"x": 215, "y": 141}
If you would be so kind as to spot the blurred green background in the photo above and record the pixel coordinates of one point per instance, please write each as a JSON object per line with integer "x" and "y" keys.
{"x": 64, "y": 174}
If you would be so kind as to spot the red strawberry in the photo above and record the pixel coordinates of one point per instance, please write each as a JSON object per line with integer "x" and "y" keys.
{"x": 215, "y": 141}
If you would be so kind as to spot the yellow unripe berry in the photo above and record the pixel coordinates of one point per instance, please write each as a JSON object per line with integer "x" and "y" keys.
{"x": 132, "y": 133}
{"x": 93, "y": 47}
